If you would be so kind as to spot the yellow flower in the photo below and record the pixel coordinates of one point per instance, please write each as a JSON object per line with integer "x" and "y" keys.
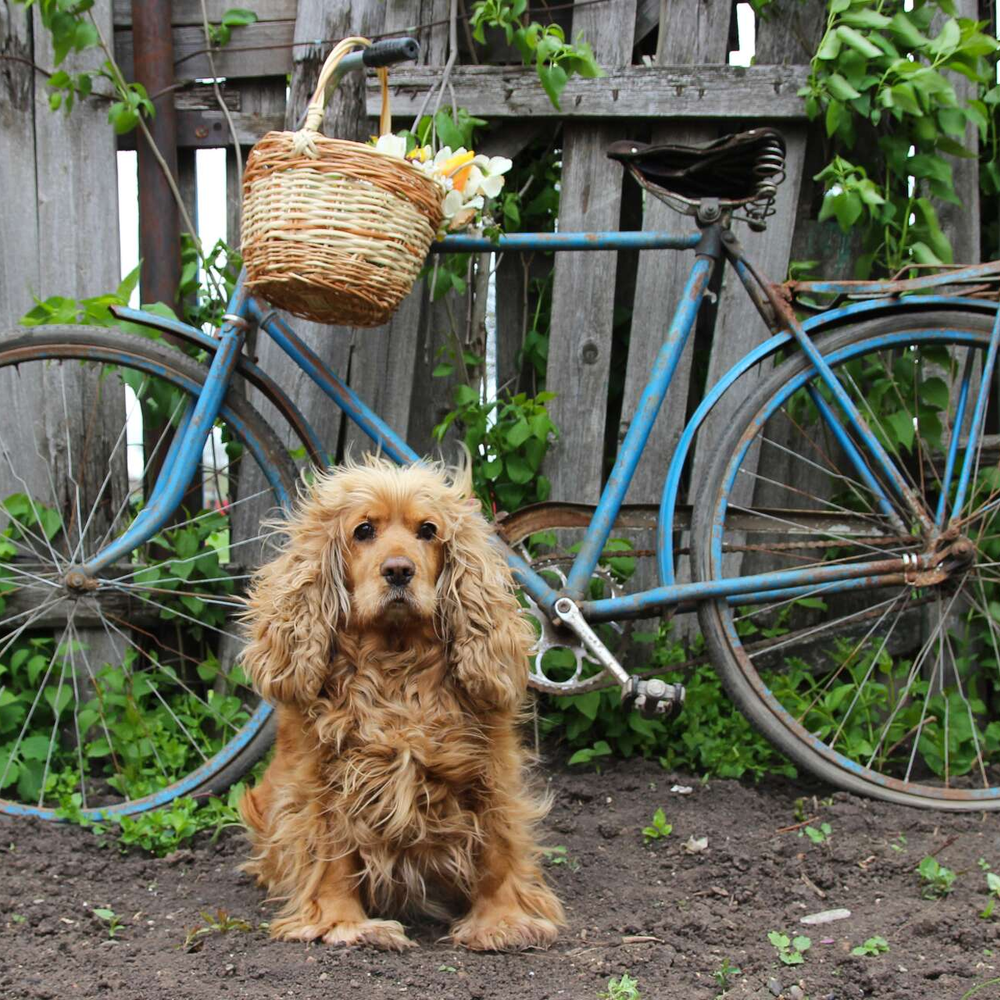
{"x": 454, "y": 162}
{"x": 461, "y": 177}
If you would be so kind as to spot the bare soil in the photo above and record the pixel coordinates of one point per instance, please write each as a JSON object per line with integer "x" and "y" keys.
{"x": 668, "y": 917}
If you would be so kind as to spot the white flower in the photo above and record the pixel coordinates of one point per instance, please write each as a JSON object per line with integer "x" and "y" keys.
{"x": 394, "y": 145}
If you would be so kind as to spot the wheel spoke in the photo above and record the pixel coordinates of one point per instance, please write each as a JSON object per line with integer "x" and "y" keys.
{"x": 121, "y": 691}
{"x": 877, "y": 686}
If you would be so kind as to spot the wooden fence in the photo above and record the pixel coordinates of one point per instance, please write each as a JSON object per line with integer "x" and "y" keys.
{"x": 688, "y": 93}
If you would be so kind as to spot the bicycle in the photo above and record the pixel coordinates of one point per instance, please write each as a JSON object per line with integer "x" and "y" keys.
{"x": 842, "y": 546}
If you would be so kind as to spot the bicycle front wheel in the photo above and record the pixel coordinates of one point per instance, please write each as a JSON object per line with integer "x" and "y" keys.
{"x": 120, "y": 692}
{"x": 885, "y": 685}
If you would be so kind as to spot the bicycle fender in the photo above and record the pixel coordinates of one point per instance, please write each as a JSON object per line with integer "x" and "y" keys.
{"x": 868, "y": 309}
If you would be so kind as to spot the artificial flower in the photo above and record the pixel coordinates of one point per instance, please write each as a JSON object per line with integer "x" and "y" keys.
{"x": 466, "y": 178}
{"x": 394, "y": 145}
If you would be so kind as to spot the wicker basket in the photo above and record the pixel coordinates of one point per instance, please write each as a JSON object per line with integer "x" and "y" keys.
{"x": 334, "y": 231}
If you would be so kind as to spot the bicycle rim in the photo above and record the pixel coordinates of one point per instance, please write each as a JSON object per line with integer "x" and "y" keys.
{"x": 122, "y": 692}
{"x": 888, "y": 686}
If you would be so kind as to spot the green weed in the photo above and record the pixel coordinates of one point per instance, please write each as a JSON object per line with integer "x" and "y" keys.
{"x": 112, "y": 921}
{"x": 873, "y": 946}
{"x": 623, "y": 988}
{"x": 659, "y": 828}
{"x": 724, "y": 973}
{"x": 710, "y": 737}
{"x": 218, "y": 923}
{"x": 821, "y": 835}
{"x": 993, "y": 885}
{"x": 558, "y": 856}
{"x": 937, "y": 880}
{"x": 791, "y": 951}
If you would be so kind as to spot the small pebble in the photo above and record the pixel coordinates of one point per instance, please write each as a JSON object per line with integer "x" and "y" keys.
{"x": 796, "y": 993}
{"x": 774, "y": 986}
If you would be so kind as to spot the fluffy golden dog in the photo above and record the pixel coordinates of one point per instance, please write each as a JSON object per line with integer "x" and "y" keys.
{"x": 388, "y": 636}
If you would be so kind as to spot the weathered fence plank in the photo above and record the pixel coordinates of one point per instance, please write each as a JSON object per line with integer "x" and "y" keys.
{"x": 190, "y": 11}
{"x": 18, "y": 220}
{"x": 583, "y": 291}
{"x": 66, "y": 213}
{"x": 626, "y": 92}
{"x": 695, "y": 31}
{"x": 385, "y": 366}
{"x": 262, "y": 49}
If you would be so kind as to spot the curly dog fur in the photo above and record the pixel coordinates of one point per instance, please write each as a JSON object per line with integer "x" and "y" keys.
{"x": 388, "y": 636}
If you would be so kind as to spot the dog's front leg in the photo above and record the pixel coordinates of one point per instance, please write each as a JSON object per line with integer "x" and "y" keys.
{"x": 513, "y": 908}
{"x": 329, "y": 909}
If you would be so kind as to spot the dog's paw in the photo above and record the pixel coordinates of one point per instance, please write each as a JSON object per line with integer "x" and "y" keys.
{"x": 385, "y": 934}
{"x": 297, "y": 929}
{"x": 505, "y": 931}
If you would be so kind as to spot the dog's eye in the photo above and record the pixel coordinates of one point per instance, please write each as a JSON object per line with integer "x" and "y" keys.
{"x": 365, "y": 531}
{"x": 427, "y": 531}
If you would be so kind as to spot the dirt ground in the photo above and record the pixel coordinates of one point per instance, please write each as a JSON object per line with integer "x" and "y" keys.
{"x": 669, "y": 917}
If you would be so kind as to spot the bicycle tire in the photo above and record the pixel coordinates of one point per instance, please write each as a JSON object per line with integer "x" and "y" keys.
{"x": 231, "y": 738}
{"x": 834, "y": 703}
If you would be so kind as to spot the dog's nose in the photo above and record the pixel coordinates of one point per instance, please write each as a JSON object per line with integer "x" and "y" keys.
{"x": 398, "y": 571}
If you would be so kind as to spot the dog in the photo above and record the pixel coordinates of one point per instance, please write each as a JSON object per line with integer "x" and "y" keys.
{"x": 388, "y": 635}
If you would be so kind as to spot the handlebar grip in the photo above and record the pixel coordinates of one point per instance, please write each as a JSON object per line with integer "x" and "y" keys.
{"x": 392, "y": 50}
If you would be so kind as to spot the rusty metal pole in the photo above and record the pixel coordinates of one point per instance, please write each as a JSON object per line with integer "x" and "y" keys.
{"x": 159, "y": 218}
{"x": 159, "y": 214}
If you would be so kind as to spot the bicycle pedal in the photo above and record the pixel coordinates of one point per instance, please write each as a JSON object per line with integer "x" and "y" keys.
{"x": 655, "y": 699}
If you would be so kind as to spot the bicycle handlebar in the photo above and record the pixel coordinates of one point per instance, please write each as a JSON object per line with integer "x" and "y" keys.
{"x": 392, "y": 50}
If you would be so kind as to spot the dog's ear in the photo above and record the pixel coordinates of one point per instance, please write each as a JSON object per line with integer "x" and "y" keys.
{"x": 488, "y": 638}
{"x": 294, "y": 607}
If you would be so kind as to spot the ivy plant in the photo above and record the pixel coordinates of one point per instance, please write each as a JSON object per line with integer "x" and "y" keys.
{"x": 895, "y": 88}
{"x": 542, "y": 46}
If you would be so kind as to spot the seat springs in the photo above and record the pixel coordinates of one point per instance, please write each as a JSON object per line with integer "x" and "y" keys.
{"x": 770, "y": 168}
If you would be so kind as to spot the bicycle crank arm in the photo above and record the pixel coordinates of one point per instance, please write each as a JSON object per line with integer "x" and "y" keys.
{"x": 652, "y": 697}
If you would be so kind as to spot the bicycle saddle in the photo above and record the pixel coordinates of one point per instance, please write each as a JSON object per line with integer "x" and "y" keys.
{"x": 740, "y": 171}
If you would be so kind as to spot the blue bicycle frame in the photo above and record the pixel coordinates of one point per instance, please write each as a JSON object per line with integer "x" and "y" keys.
{"x": 711, "y": 245}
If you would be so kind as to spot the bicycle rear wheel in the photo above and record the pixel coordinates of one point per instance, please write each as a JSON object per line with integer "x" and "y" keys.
{"x": 117, "y": 694}
{"x": 888, "y": 686}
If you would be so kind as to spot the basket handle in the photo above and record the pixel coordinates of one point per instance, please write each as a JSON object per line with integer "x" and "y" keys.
{"x": 317, "y": 104}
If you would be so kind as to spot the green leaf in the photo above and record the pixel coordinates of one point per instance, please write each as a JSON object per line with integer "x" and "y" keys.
{"x": 901, "y": 423}
{"x": 840, "y": 88}
{"x": 906, "y": 31}
{"x": 492, "y": 469}
{"x": 587, "y": 704}
{"x": 858, "y": 42}
{"x": 554, "y": 80}
{"x": 238, "y": 17}
{"x": 85, "y": 36}
{"x": 519, "y": 433}
{"x": 947, "y": 39}
{"x": 448, "y": 133}
{"x": 865, "y": 17}
{"x": 122, "y": 117}
{"x": 829, "y": 48}
{"x": 35, "y": 747}
{"x": 518, "y": 469}
{"x": 935, "y": 392}
{"x": 58, "y": 699}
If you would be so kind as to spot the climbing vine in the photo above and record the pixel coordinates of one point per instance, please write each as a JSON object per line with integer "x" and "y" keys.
{"x": 896, "y": 88}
